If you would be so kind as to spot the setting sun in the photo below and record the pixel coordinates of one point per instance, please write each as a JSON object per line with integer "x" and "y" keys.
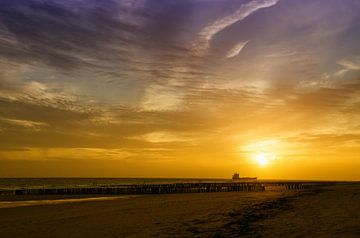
{"x": 262, "y": 159}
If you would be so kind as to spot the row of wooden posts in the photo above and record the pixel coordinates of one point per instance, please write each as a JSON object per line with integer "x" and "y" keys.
{"x": 158, "y": 188}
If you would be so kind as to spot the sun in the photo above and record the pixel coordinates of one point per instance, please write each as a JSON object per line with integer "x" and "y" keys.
{"x": 263, "y": 153}
{"x": 262, "y": 159}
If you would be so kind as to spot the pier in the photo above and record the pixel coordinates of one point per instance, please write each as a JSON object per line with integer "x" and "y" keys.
{"x": 164, "y": 188}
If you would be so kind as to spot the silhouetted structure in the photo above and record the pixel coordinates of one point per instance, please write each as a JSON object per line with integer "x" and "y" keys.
{"x": 166, "y": 188}
{"x": 236, "y": 177}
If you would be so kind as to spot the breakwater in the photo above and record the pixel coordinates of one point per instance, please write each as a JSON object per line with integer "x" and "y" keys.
{"x": 161, "y": 188}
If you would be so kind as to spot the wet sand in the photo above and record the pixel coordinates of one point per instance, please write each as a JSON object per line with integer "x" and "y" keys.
{"x": 334, "y": 212}
{"x": 329, "y": 212}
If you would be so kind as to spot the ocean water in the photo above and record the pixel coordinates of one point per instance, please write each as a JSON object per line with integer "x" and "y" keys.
{"x": 16, "y": 183}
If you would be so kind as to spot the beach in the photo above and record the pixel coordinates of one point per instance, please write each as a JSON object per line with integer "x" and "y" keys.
{"x": 332, "y": 211}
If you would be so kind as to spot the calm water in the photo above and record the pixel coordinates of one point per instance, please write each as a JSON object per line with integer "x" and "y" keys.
{"x": 11, "y": 183}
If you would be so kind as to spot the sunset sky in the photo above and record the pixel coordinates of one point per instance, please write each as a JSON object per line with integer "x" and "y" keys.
{"x": 180, "y": 88}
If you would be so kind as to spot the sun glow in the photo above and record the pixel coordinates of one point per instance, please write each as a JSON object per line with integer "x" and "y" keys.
{"x": 265, "y": 152}
{"x": 262, "y": 159}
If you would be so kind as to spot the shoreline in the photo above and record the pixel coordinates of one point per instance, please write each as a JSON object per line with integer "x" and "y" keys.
{"x": 232, "y": 214}
{"x": 55, "y": 201}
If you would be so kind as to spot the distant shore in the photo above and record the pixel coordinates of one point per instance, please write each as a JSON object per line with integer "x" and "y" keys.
{"x": 332, "y": 211}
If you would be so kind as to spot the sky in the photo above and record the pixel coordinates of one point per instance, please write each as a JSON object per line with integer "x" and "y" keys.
{"x": 190, "y": 88}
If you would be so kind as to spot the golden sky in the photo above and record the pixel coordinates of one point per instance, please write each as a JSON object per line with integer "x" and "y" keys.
{"x": 191, "y": 88}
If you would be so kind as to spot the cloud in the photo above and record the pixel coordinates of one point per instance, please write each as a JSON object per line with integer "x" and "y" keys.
{"x": 207, "y": 33}
{"x": 162, "y": 137}
{"x": 236, "y": 49}
{"x": 350, "y": 64}
{"x": 33, "y": 125}
{"x": 282, "y": 54}
{"x": 66, "y": 34}
{"x": 41, "y": 94}
{"x": 161, "y": 98}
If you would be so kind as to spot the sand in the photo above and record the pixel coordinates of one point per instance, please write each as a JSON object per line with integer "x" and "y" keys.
{"x": 334, "y": 212}
{"x": 329, "y": 212}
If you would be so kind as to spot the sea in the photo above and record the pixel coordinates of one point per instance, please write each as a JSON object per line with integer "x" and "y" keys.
{"x": 26, "y": 183}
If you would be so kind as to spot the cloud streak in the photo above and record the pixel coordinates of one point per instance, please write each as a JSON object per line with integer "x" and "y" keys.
{"x": 350, "y": 64}
{"x": 236, "y": 49}
{"x": 207, "y": 33}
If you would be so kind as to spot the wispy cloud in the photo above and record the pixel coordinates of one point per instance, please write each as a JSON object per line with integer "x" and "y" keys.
{"x": 206, "y": 35}
{"x": 162, "y": 137}
{"x": 236, "y": 49}
{"x": 34, "y": 125}
{"x": 350, "y": 64}
{"x": 42, "y": 94}
{"x": 161, "y": 98}
{"x": 282, "y": 54}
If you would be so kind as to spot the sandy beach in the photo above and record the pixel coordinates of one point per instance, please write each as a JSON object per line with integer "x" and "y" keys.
{"x": 329, "y": 212}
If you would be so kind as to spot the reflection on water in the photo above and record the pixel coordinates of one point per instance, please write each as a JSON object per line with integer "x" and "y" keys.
{"x": 9, "y": 204}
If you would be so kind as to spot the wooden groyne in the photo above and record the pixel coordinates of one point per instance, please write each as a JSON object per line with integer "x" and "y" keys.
{"x": 160, "y": 188}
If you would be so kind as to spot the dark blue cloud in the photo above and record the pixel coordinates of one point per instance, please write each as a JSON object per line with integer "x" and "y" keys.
{"x": 54, "y": 33}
